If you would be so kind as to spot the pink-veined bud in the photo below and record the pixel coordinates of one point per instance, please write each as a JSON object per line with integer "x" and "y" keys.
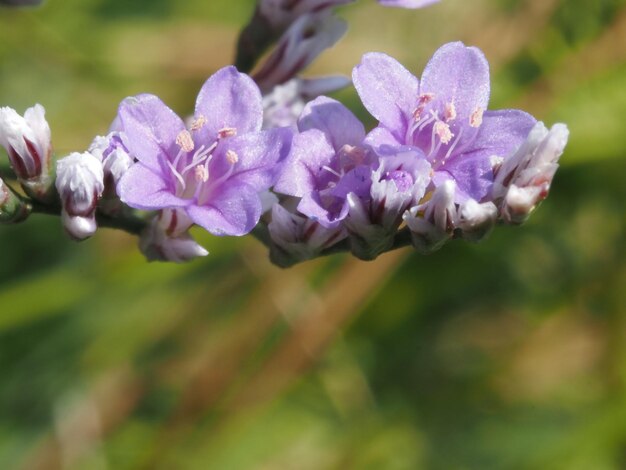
{"x": 281, "y": 13}
{"x": 284, "y": 104}
{"x": 298, "y": 238}
{"x": 523, "y": 179}
{"x": 12, "y": 208}
{"x": 157, "y": 245}
{"x": 476, "y": 220}
{"x": 28, "y": 144}
{"x": 112, "y": 151}
{"x": 174, "y": 222}
{"x": 80, "y": 183}
{"x": 305, "y": 39}
{"x": 432, "y": 223}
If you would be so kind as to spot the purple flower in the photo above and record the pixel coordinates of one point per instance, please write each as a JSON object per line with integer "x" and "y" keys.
{"x": 327, "y": 162}
{"x": 407, "y": 3}
{"x": 213, "y": 171}
{"x": 445, "y": 115}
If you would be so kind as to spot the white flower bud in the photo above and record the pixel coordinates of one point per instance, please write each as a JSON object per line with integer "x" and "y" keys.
{"x": 476, "y": 220}
{"x": 80, "y": 182}
{"x": 27, "y": 141}
{"x": 297, "y": 238}
{"x": 432, "y": 223}
{"x": 157, "y": 245}
{"x": 524, "y": 178}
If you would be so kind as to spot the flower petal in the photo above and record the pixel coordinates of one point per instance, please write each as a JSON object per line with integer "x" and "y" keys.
{"x": 387, "y": 89}
{"x": 303, "y": 170}
{"x": 500, "y": 134}
{"x": 460, "y": 75}
{"x": 259, "y": 155}
{"x": 142, "y": 188}
{"x": 312, "y": 206}
{"x": 333, "y": 119}
{"x": 229, "y": 99}
{"x": 234, "y": 209}
{"x": 151, "y": 128}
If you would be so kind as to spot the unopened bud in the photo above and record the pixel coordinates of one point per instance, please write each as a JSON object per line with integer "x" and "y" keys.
{"x": 524, "y": 178}
{"x": 80, "y": 182}
{"x": 297, "y": 238}
{"x": 432, "y": 223}
{"x": 157, "y": 245}
{"x": 308, "y": 36}
{"x": 476, "y": 220}
{"x": 27, "y": 142}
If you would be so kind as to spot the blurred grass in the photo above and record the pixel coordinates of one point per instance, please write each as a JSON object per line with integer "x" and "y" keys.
{"x": 510, "y": 354}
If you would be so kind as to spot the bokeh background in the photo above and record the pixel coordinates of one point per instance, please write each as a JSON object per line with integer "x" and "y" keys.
{"x": 509, "y": 354}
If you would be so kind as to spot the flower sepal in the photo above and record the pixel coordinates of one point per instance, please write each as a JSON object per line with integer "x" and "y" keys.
{"x": 12, "y": 209}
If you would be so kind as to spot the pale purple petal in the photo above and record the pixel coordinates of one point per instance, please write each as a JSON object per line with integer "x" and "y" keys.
{"x": 151, "y": 128}
{"x": 229, "y": 99}
{"x": 500, "y": 134}
{"x": 333, "y": 119}
{"x": 142, "y": 188}
{"x": 259, "y": 156}
{"x": 460, "y": 75}
{"x": 327, "y": 214}
{"x": 387, "y": 89}
{"x": 303, "y": 169}
{"x": 381, "y": 136}
{"x": 234, "y": 209}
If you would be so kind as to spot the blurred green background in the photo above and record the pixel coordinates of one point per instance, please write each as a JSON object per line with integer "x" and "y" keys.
{"x": 510, "y": 354}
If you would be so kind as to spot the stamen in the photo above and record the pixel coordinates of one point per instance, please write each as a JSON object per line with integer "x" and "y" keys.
{"x": 201, "y": 174}
{"x": 329, "y": 169}
{"x": 226, "y": 132}
{"x": 232, "y": 157}
{"x": 198, "y": 123}
{"x": 450, "y": 112}
{"x": 177, "y": 175}
{"x": 476, "y": 119}
{"x": 454, "y": 144}
{"x": 185, "y": 141}
{"x": 442, "y": 130}
{"x": 423, "y": 100}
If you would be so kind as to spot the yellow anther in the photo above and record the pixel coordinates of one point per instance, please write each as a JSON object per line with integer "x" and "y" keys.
{"x": 185, "y": 141}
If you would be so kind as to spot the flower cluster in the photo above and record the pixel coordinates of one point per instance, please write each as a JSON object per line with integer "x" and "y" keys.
{"x": 270, "y": 152}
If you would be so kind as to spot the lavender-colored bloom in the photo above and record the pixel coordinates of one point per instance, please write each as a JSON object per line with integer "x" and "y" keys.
{"x": 213, "y": 171}
{"x": 523, "y": 180}
{"x": 407, "y": 3}
{"x": 27, "y": 142}
{"x": 305, "y": 39}
{"x": 281, "y": 13}
{"x": 327, "y": 162}
{"x": 444, "y": 115}
{"x": 80, "y": 182}
{"x": 284, "y": 104}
